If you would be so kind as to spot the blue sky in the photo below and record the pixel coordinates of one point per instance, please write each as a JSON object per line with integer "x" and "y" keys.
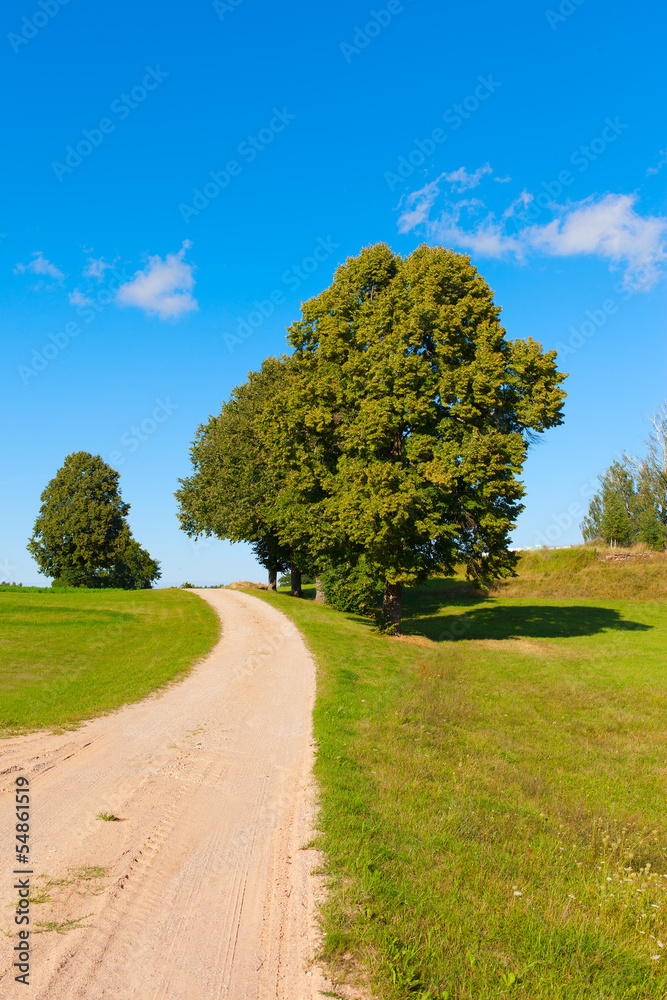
{"x": 177, "y": 179}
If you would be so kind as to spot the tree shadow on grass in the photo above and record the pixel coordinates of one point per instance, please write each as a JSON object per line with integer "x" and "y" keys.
{"x": 516, "y": 622}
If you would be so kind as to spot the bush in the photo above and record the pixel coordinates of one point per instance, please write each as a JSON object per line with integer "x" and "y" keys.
{"x": 351, "y": 587}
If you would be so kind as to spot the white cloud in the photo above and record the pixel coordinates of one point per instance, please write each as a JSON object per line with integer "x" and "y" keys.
{"x": 163, "y": 287}
{"x": 609, "y": 228}
{"x": 522, "y": 201}
{"x": 661, "y": 163}
{"x": 418, "y": 206}
{"x": 40, "y": 265}
{"x": 487, "y": 238}
{"x": 606, "y": 226}
{"x": 461, "y": 180}
{"x": 77, "y": 298}
{"x": 95, "y": 267}
{"x": 502, "y": 180}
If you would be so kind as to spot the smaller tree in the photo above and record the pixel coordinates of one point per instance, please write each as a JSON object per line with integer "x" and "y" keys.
{"x": 618, "y": 522}
{"x": 631, "y": 505}
{"x": 651, "y": 476}
{"x": 81, "y": 537}
{"x": 612, "y": 512}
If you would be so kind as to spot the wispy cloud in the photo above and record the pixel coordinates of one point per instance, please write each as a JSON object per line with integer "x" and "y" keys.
{"x": 461, "y": 180}
{"x": 163, "y": 286}
{"x": 40, "y": 265}
{"x": 660, "y": 164}
{"x": 606, "y": 226}
{"x": 95, "y": 267}
{"x": 418, "y": 206}
{"x": 77, "y": 298}
{"x": 518, "y": 204}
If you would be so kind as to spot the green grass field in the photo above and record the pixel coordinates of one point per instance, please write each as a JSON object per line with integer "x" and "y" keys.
{"x": 493, "y": 795}
{"x": 68, "y": 655}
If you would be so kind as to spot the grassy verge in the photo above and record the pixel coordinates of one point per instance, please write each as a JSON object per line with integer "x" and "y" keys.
{"x": 68, "y": 655}
{"x": 493, "y": 796}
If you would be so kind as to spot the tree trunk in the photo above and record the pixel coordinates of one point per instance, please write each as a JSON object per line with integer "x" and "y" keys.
{"x": 272, "y": 562}
{"x": 391, "y": 607}
{"x": 295, "y": 575}
{"x": 319, "y": 592}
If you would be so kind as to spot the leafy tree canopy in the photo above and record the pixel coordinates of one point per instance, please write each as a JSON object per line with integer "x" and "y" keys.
{"x": 81, "y": 537}
{"x": 406, "y": 418}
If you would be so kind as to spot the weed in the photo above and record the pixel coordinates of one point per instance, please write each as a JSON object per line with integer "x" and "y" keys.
{"x": 61, "y": 927}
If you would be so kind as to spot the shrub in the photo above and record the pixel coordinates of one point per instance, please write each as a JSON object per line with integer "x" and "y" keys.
{"x": 352, "y": 587}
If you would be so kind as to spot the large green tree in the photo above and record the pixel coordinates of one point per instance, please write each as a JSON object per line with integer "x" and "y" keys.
{"x": 81, "y": 537}
{"x": 237, "y": 473}
{"x": 407, "y": 419}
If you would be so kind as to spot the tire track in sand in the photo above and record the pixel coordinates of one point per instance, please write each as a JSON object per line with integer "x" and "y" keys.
{"x": 210, "y": 892}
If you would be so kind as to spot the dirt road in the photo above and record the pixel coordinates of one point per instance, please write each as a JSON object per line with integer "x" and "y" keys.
{"x": 202, "y": 887}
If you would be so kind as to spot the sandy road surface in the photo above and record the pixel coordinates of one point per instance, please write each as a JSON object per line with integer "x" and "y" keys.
{"x": 205, "y": 890}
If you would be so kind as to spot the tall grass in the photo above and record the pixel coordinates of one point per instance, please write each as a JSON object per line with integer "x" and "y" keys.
{"x": 588, "y": 571}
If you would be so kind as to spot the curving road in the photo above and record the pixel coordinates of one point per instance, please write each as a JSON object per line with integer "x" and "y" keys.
{"x": 203, "y": 888}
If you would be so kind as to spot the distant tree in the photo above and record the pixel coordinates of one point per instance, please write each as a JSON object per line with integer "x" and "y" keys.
{"x": 81, "y": 537}
{"x": 613, "y": 511}
{"x": 407, "y": 419}
{"x": 618, "y": 520}
{"x": 631, "y": 504}
{"x": 651, "y": 476}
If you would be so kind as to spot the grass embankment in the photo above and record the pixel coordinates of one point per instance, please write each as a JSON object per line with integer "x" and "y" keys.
{"x": 588, "y": 571}
{"x": 493, "y": 796}
{"x": 68, "y": 655}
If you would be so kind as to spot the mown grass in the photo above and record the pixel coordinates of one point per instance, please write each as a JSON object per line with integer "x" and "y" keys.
{"x": 68, "y": 655}
{"x": 493, "y": 796}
